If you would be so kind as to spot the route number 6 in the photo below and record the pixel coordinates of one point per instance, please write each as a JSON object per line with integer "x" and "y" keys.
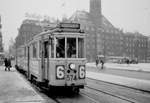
{"x": 82, "y": 72}
{"x": 60, "y": 72}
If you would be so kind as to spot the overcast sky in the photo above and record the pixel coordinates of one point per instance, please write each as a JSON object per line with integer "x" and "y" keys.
{"x": 130, "y": 15}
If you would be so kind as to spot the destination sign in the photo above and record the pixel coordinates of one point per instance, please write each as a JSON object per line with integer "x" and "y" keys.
{"x": 69, "y": 25}
{"x": 70, "y": 30}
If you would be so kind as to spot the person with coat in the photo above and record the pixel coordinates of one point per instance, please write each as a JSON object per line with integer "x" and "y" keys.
{"x": 102, "y": 62}
{"x": 97, "y": 61}
{"x": 6, "y": 65}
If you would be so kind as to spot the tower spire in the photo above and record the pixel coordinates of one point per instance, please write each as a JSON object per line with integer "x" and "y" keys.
{"x": 95, "y": 7}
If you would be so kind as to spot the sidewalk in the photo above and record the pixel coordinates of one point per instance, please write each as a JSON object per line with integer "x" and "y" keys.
{"x": 125, "y": 81}
{"x": 15, "y": 89}
{"x": 145, "y": 67}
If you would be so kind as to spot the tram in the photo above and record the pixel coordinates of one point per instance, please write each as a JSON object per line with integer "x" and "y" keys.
{"x": 56, "y": 57}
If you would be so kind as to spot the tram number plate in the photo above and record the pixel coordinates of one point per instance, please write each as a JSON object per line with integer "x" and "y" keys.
{"x": 71, "y": 77}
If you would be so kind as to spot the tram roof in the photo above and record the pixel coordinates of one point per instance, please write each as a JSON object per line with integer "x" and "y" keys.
{"x": 63, "y": 28}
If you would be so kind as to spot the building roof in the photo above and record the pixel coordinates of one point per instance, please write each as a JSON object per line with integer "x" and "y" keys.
{"x": 87, "y": 18}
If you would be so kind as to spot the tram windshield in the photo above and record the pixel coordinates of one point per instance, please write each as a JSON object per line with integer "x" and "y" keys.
{"x": 71, "y": 47}
{"x": 74, "y": 47}
{"x": 60, "y": 47}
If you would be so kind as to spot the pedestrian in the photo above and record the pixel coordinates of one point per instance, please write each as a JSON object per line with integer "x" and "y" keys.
{"x": 6, "y": 65}
{"x": 9, "y": 64}
{"x": 127, "y": 61}
{"x": 102, "y": 66}
{"x": 97, "y": 61}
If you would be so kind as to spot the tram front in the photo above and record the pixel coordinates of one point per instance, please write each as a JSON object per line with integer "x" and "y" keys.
{"x": 67, "y": 58}
{"x": 71, "y": 51}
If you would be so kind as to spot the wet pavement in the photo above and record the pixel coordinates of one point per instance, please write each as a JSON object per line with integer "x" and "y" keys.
{"x": 15, "y": 89}
{"x": 121, "y": 80}
{"x": 125, "y": 81}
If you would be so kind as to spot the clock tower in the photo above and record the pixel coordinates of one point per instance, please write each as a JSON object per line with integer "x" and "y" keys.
{"x": 95, "y": 7}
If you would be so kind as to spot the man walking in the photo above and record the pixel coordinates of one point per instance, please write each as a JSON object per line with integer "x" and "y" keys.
{"x": 97, "y": 61}
{"x": 102, "y": 62}
{"x": 6, "y": 65}
{"x": 9, "y": 64}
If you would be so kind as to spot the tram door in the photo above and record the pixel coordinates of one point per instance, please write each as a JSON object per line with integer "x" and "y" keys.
{"x": 45, "y": 60}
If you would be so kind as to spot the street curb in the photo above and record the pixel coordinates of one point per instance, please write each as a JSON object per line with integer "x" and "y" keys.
{"x": 25, "y": 79}
{"x": 120, "y": 69}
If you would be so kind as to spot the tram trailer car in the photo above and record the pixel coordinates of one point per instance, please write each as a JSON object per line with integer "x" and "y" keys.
{"x": 21, "y": 62}
{"x": 56, "y": 57}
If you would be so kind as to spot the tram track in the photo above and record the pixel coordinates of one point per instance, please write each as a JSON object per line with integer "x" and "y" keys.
{"x": 62, "y": 98}
{"x": 45, "y": 94}
{"x": 126, "y": 93}
{"x": 51, "y": 97}
{"x": 89, "y": 97}
{"x": 113, "y": 95}
{"x": 83, "y": 94}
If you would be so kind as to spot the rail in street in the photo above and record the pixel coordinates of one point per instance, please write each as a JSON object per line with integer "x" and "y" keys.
{"x": 118, "y": 91}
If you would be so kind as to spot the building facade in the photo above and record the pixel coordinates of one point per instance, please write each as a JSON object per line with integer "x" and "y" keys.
{"x": 105, "y": 39}
{"x": 30, "y": 28}
{"x": 1, "y": 38}
{"x": 1, "y": 45}
{"x": 148, "y": 49}
{"x": 102, "y": 37}
{"x": 27, "y": 30}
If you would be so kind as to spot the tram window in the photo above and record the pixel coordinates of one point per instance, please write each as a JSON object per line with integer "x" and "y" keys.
{"x": 40, "y": 49}
{"x": 60, "y": 47}
{"x": 24, "y": 51}
{"x": 46, "y": 51}
{"x": 71, "y": 47}
{"x": 80, "y": 48}
{"x": 34, "y": 53}
{"x": 52, "y": 48}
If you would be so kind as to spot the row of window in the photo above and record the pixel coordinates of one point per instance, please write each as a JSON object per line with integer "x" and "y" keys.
{"x": 47, "y": 48}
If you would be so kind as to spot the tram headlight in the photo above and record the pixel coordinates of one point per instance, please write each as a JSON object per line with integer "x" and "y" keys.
{"x": 82, "y": 71}
{"x": 60, "y": 72}
{"x": 72, "y": 66}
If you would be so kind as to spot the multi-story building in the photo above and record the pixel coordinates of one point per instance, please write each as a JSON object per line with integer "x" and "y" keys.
{"x": 105, "y": 39}
{"x": 1, "y": 45}
{"x": 27, "y": 30}
{"x": 30, "y": 28}
{"x": 102, "y": 37}
{"x": 1, "y": 40}
{"x": 148, "y": 50}
{"x": 140, "y": 47}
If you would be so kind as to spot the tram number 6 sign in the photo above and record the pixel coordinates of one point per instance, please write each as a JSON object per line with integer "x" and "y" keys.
{"x": 82, "y": 72}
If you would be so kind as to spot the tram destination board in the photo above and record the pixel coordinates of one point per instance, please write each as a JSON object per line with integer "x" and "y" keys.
{"x": 70, "y": 25}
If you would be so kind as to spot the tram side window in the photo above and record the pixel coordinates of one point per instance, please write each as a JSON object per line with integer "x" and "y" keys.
{"x": 52, "y": 48}
{"x": 34, "y": 53}
{"x": 60, "y": 47}
{"x": 80, "y": 48}
{"x": 24, "y": 51}
{"x": 71, "y": 47}
{"x": 40, "y": 49}
{"x": 46, "y": 51}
